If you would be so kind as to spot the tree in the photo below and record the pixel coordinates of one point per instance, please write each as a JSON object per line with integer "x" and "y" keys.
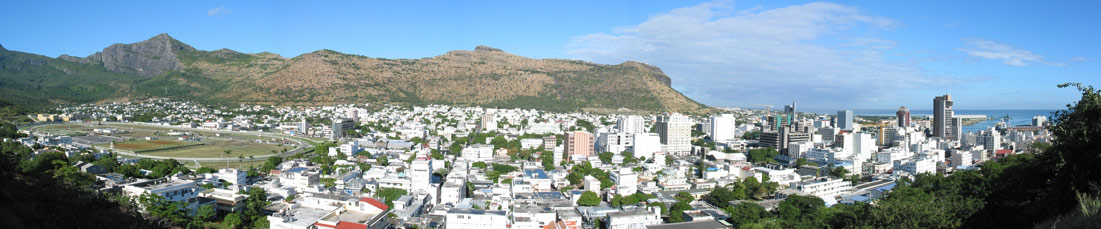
{"x": 205, "y": 213}
{"x": 226, "y": 153}
{"x": 588, "y": 198}
{"x": 159, "y": 209}
{"x": 383, "y": 160}
{"x": 745, "y": 213}
{"x": 676, "y": 213}
{"x": 720, "y": 197}
{"x": 762, "y": 155}
{"x": 205, "y": 169}
{"x": 606, "y": 157}
{"x": 478, "y": 164}
{"x": 685, "y": 196}
{"x": 233, "y": 220}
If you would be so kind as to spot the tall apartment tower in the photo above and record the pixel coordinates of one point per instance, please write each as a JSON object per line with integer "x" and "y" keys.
{"x": 722, "y": 127}
{"x": 489, "y": 122}
{"x": 304, "y": 128}
{"x": 675, "y": 131}
{"x": 942, "y": 118}
{"x": 578, "y": 143}
{"x": 631, "y": 124}
{"x": 845, "y": 119}
{"x": 903, "y": 116}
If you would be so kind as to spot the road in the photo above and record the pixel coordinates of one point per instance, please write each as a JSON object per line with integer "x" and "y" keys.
{"x": 302, "y": 145}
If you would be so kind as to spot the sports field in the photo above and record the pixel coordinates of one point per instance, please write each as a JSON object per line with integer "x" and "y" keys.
{"x": 143, "y": 145}
{"x": 216, "y": 149}
{"x": 210, "y": 145}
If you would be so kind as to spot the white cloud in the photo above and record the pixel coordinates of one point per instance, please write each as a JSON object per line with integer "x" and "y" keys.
{"x": 818, "y": 53}
{"x": 1009, "y": 55}
{"x": 220, "y": 10}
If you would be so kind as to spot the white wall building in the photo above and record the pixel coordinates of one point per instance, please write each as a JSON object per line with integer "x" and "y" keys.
{"x": 466, "y": 218}
{"x": 723, "y": 128}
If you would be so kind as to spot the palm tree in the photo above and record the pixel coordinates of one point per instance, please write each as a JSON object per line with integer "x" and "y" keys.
{"x": 241, "y": 159}
{"x": 226, "y": 153}
{"x": 251, "y": 159}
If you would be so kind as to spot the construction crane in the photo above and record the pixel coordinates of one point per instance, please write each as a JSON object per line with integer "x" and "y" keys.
{"x": 768, "y": 109}
{"x": 881, "y": 126}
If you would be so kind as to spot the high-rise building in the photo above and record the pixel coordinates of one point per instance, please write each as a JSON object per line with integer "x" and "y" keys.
{"x": 578, "y": 143}
{"x": 352, "y": 114}
{"x": 631, "y": 124}
{"x": 646, "y": 145}
{"x": 722, "y": 128}
{"x": 903, "y": 117}
{"x": 1039, "y": 120}
{"x": 942, "y": 118}
{"x": 421, "y": 174}
{"x": 789, "y": 110}
{"x": 489, "y": 122}
{"x": 675, "y": 131}
{"x": 845, "y": 119}
{"x": 340, "y": 125}
{"x": 304, "y": 127}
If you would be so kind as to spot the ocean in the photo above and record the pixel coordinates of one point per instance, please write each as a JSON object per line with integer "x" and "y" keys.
{"x": 1016, "y": 117}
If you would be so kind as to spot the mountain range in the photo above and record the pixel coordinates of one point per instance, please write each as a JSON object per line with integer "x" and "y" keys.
{"x": 165, "y": 67}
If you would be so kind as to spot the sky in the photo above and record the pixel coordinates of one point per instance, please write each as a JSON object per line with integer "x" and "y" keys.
{"x": 824, "y": 55}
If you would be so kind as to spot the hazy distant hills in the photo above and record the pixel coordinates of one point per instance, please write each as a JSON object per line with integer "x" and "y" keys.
{"x": 165, "y": 67}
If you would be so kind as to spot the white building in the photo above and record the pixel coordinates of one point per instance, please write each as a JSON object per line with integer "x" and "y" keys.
{"x": 914, "y": 167}
{"x": 631, "y": 124}
{"x": 646, "y": 144}
{"x": 531, "y": 143}
{"x": 823, "y": 187}
{"x": 466, "y": 218}
{"x": 613, "y": 142}
{"x": 478, "y": 152}
{"x": 299, "y": 178}
{"x": 634, "y": 219}
{"x": 626, "y": 181}
{"x": 723, "y": 128}
{"x": 675, "y": 131}
{"x": 421, "y": 174}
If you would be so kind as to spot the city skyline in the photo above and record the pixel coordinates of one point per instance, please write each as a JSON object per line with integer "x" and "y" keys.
{"x": 827, "y": 55}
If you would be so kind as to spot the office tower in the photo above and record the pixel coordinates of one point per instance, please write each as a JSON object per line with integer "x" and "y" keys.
{"x": 789, "y": 111}
{"x": 675, "y": 131}
{"x": 781, "y": 139}
{"x": 1038, "y": 120}
{"x": 903, "y": 117}
{"x": 631, "y": 124}
{"x": 578, "y": 143}
{"x": 340, "y": 125}
{"x": 722, "y": 128}
{"x": 942, "y": 117}
{"x": 845, "y": 120}
{"x": 304, "y": 127}
{"x": 489, "y": 122}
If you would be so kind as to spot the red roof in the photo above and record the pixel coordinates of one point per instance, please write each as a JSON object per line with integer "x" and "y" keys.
{"x": 1003, "y": 151}
{"x": 374, "y": 202}
{"x": 350, "y": 225}
{"x": 323, "y": 225}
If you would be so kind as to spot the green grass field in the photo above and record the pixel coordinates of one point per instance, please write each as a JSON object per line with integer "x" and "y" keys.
{"x": 150, "y": 144}
{"x": 215, "y": 149}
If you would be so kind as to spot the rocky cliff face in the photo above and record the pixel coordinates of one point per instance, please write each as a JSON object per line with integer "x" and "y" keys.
{"x": 147, "y": 58}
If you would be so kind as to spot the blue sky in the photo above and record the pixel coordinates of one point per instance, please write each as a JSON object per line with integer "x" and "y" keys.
{"x": 828, "y": 55}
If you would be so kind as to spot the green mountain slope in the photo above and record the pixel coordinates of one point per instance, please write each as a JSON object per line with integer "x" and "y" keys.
{"x": 165, "y": 67}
